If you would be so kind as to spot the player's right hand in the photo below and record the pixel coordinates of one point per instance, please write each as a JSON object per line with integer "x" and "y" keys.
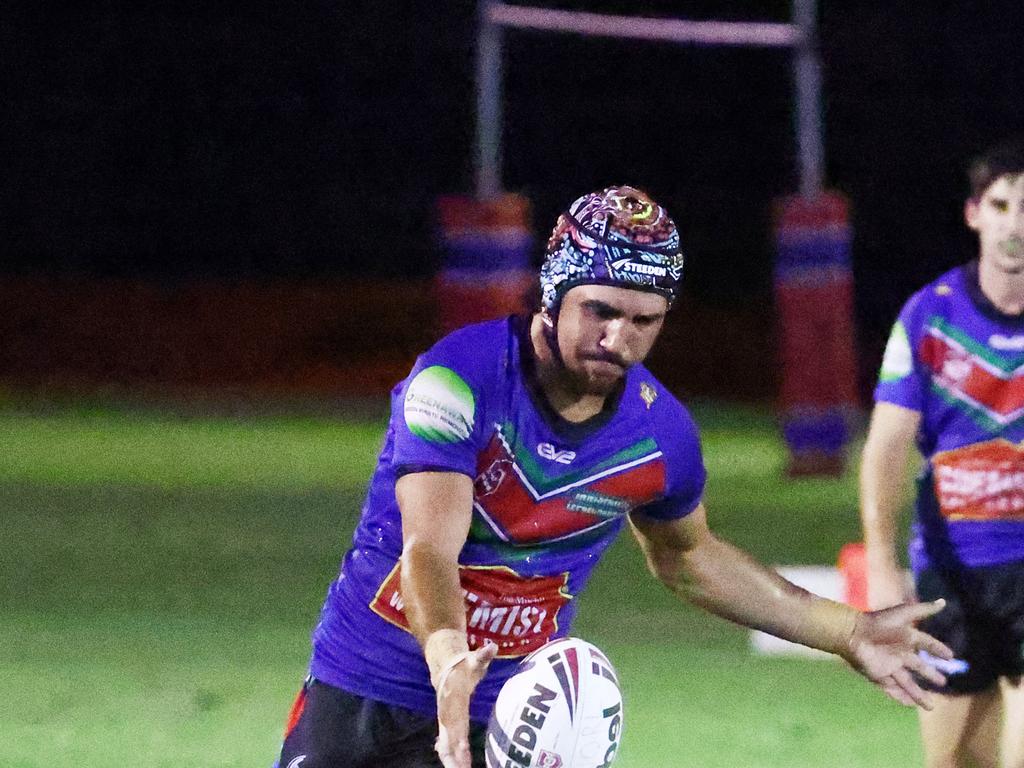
{"x": 454, "y": 688}
{"x": 886, "y": 648}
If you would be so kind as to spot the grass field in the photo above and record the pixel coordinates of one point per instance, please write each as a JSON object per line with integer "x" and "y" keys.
{"x": 160, "y": 575}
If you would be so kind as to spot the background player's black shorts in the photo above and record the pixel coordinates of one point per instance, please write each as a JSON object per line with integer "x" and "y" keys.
{"x": 983, "y": 621}
{"x": 332, "y": 728}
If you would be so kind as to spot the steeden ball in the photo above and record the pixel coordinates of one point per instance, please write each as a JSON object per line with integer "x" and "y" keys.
{"x": 561, "y": 709}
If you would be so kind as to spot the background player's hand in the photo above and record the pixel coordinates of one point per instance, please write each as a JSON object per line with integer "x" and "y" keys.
{"x": 885, "y": 645}
{"x": 453, "y": 691}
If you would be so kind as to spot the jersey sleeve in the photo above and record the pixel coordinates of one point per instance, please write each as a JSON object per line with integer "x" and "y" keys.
{"x": 685, "y": 474}
{"x": 900, "y": 381}
{"x": 437, "y": 416}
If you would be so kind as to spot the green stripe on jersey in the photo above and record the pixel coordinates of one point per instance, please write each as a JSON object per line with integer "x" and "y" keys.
{"x": 1005, "y": 364}
{"x": 545, "y": 479}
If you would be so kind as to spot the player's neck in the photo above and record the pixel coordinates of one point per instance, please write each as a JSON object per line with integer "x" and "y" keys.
{"x": 557, "y": 384}
{"x": 1004, "y": 289}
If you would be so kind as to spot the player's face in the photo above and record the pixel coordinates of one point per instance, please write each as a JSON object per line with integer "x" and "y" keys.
{"x": 998, "y": 218}
{"x": 602, "y": 330}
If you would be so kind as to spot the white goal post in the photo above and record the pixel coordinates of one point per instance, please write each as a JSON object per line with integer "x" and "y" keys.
{"x": 799, "y": 35}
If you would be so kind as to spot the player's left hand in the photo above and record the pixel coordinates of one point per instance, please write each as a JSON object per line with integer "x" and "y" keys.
{"x": 884, "y": 648}
{"x": 454, "y": 688}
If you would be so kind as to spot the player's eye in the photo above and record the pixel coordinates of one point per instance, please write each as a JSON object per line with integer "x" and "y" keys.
{"x": 1002, "y": 206}
{"x": 602, "y": 311}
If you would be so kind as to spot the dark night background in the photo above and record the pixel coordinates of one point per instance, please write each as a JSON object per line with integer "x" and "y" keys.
{"x": 309, "y": 141}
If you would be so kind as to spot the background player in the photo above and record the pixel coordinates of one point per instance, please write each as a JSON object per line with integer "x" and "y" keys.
{"x": 517, "y": 450}
{"x": 952, "y": 377}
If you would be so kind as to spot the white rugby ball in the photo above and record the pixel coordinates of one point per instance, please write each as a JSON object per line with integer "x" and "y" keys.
{"x": 561, "y": 709}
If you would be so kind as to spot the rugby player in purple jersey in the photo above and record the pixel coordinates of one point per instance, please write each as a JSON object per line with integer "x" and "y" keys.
{"x": 953, "y": 380}
{"x": 516, "y": 451}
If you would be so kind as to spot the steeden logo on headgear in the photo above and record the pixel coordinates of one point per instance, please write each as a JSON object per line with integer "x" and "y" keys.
{"x": 628, "y": 265}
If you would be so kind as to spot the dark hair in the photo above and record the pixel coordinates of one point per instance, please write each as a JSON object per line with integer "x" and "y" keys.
{"x": 1004, "y": 158}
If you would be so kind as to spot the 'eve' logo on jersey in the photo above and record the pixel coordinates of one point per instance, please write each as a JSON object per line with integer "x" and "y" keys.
{"x": 1007, "y": 343}
{"x": 548, "y": 451}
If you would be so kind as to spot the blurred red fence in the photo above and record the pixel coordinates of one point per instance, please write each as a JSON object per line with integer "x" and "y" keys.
{"x": 324, "y": 338}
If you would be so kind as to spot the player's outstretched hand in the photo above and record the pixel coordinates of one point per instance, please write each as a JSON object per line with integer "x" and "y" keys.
{"x": 885, "y": 648}
{"x": 454, "y": 687}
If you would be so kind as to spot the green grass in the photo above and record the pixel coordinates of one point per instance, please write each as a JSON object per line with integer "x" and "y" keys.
{"x": 160, "y": 575}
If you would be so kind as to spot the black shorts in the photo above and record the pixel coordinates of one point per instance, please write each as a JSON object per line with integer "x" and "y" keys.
{"x": 332, "y": 728}
{"x": 983, "y": 622}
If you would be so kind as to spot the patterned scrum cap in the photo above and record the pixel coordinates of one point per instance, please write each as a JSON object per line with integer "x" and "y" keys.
{"x": 618, "y": 236}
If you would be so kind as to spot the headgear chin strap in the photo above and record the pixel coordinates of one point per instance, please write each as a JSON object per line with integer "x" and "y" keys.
{"x": 549, "y": 329}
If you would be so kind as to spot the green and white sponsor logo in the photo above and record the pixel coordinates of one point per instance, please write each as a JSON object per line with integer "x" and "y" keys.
{"x": 439, "y": 406}
{"x": 898, "y": 360}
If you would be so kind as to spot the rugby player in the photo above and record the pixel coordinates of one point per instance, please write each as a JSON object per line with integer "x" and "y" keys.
{"x": 516, "y": 451}
{"x": 952, "y": 379}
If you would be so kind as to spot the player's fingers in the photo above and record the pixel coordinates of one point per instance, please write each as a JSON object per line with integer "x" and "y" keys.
{"x": 925, "y": 642}
{"x": 452, "y": 754}
{"x": 485, "y": 654}
{"x": 918, "y": 611}
{"x": 462, "y": 759}
{"x": 921, "y": 666}
{"x": 443, "y": 747}
{"x": 894, "y": 691}
{"x": 477, "y": 662}
{"x": 452, "y": 724}
{"x": 910, "y": 687}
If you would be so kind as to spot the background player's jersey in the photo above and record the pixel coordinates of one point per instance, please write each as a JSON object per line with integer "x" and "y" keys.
{"x": 957, "y": 360}
{"x": 549, "y": 498}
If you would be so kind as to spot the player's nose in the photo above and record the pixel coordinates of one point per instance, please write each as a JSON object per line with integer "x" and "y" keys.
{"x": 615, "y": 341}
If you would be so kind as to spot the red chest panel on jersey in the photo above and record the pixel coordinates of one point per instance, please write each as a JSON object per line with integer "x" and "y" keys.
{"x": 521, "y": 510}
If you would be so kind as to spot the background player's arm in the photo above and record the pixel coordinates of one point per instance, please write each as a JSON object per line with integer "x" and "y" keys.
{"x": 688, "y": 558}
{"x": 436, "y": 511}
{"x": 882, "y": 495}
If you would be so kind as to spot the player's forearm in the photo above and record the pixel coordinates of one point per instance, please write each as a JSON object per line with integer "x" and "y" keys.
{"x": 431, "y": 592}
{"x": 432, "y": 596}
{"x": 436, "y": 512}
{"x": 883, "y": 482}
{"x": 882, "y": 491}
{"x": 726, "y": 581}
{"x": 878, "y": 523}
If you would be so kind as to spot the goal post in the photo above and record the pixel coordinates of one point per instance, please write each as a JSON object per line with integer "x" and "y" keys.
{"x": 799, "y": 35}
{"x": 812, "y": 275}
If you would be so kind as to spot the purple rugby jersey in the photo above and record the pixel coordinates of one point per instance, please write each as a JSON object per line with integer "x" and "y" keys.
{"x": 549, "y": 498}
{"x": 954, "y": 358}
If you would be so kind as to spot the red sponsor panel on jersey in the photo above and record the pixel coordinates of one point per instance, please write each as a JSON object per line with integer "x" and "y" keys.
{"x": 983, "y": 481}
{"x": 517, "y": 613}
